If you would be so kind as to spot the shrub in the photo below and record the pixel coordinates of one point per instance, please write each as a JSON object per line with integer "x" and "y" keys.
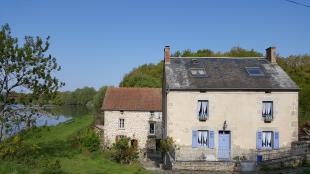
{"x": 123, "y": 153}
{"x": 15, "y": 147}
{"x": 87, "y": 139}
{"x": 166, "y": 145}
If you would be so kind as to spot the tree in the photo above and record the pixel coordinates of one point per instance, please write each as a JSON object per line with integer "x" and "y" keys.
{"x": 24, "y": 68}
{"x": 98, "y": 98}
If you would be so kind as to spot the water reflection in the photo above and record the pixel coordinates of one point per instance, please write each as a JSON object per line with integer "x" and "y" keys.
{"x": 54, "y": 115}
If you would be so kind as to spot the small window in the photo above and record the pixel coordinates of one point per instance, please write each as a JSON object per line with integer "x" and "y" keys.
{"x": 267, "y": 111}
{"x": 203, "y": 110}
{"x": 254, "y": 71}
{"x": 152, "y": 113}
{"x": 198, "y": 72}
{"x": 152, "y": 128}
{"x": 267, "y": 140}
{"x": 203, "y": 138}
{"x": 121, "y": 123}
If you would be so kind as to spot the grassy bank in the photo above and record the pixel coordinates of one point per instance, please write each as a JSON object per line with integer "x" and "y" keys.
{"x": 56, "y": 154}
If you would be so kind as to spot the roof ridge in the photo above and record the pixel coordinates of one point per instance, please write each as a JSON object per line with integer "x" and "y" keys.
{"x": 221, "y": 57}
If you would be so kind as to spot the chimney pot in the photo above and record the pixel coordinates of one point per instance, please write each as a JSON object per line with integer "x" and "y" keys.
{"x": 167, "y": 54}
{"x": 271, "y": 55}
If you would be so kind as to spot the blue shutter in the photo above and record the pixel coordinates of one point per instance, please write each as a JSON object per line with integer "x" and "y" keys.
{"x": 276, "y": 144}
{"x": 195, "y": 139}
{"x": 211, "y": 139}
{"x": 259, "y": 140}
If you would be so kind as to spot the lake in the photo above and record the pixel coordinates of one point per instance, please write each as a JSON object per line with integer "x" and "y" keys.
{"x": 54, "y": 116}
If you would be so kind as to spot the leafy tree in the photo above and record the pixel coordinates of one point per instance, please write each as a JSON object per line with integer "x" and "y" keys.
{"x": 147, "y": 75}
{"x": 98, "y": 98}
{"x": 24, "y": 68}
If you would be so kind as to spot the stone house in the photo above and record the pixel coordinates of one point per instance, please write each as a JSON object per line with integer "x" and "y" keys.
{"x": 222, "y": 108}
{"x": 135, "y": 113}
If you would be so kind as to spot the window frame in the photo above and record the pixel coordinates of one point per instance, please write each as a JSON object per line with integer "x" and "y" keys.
{"x": 121, "y": 123}
{"x": 150, "y": 128}
{"x": 197, "y": 70}
{"x": 198, "y": 111}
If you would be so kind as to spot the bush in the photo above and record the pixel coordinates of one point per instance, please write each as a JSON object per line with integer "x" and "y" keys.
{"x": 123, "y": 153}
{"x": 15, "y": 147}
{"x": 166, "y": 145}
{"x": 87, "y": 139}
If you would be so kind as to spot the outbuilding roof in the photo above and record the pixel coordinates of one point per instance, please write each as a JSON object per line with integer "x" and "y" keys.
{"x": 226, "y": 74}
{"x": 133, "y": 99}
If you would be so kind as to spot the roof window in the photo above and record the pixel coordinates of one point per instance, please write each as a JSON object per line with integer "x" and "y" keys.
{"x": 198, "y": 72}
{"x": 254, "y": 71}
{"x": 195, "y": 61}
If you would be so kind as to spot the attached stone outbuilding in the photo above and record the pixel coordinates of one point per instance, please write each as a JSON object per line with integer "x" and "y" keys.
{"x": 135, "y": 113}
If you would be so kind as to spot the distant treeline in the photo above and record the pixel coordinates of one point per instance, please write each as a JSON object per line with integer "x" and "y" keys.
{"x": 86, "y": 96}
{"x": 297, "y": 67}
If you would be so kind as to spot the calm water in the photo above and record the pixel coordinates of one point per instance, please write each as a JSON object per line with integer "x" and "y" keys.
{"x": 54, "y": 116}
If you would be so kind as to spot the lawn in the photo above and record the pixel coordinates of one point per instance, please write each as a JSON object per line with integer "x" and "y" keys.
{"x": 54, "y": 146}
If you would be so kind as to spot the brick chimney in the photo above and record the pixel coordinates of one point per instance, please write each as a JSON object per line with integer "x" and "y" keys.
{"x": 271, "y": 54}
{"x": 167, "y": 54}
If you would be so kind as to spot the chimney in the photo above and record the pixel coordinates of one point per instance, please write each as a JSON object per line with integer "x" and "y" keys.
{"x": 271, "y": 54}
{"x": 167, "y": 54}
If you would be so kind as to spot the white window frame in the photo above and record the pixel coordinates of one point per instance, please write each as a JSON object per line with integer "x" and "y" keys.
{"x": 152, "y": 133}
{"x": 121, "y": 123}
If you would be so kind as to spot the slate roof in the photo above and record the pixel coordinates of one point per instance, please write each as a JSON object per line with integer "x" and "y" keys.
{"x": 226, "y": 74}
{"x": 133, "y": 99}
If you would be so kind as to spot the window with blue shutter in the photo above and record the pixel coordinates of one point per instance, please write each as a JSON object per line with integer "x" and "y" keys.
{"x": 211, "y": 139}
{"x": 195, "y": 139}
{"x": 259, "y": 140}
{"x": 276, "y": 144}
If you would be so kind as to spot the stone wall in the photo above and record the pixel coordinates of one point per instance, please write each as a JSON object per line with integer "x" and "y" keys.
{"x": 136, "y": 126}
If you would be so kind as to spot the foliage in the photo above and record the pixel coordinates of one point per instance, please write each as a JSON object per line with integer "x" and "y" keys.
{"x": 167, "y": 144}
{"x": 87, "y": 139}
{"x": 298, "y": 68}
{"x": 26, "y": 68}
{"x": 234, "y": 52}
{"x": 123, "y": 152}
{"x": 98, "y": 98}
{"x": 147, "y": 75}
{"x": 55, "y": 145}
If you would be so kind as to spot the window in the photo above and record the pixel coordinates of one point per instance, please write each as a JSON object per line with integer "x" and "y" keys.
{"x": 121, "y": 123}
{"x": 254, "y": 71}
{"x": 152, "y": 128}
{"x": 268, "y": 140}
{"x": 203, "y": 138}
{"x": 198, "y": 72}
{"x": 267, "y": 111}
{"x": 152, "y": 113}
{"x": 203, "y": 110}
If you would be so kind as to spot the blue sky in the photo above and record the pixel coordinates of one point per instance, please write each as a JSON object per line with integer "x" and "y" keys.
{"x": 97, "y": 42}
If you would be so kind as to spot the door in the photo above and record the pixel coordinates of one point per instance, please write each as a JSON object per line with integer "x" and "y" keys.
{"x": 224, "y": 145}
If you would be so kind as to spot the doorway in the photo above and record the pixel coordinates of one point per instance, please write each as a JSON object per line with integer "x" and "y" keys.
{"x": 224, "y": 145}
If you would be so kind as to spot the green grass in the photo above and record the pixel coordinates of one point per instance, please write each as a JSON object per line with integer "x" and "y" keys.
{"x": 54, "y": 145}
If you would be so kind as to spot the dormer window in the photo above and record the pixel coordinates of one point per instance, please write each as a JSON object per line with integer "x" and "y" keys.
{"x": 198, "y": 72}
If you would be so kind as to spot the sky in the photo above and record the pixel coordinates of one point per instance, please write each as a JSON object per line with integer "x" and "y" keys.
{"x": 98, "y": 42}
